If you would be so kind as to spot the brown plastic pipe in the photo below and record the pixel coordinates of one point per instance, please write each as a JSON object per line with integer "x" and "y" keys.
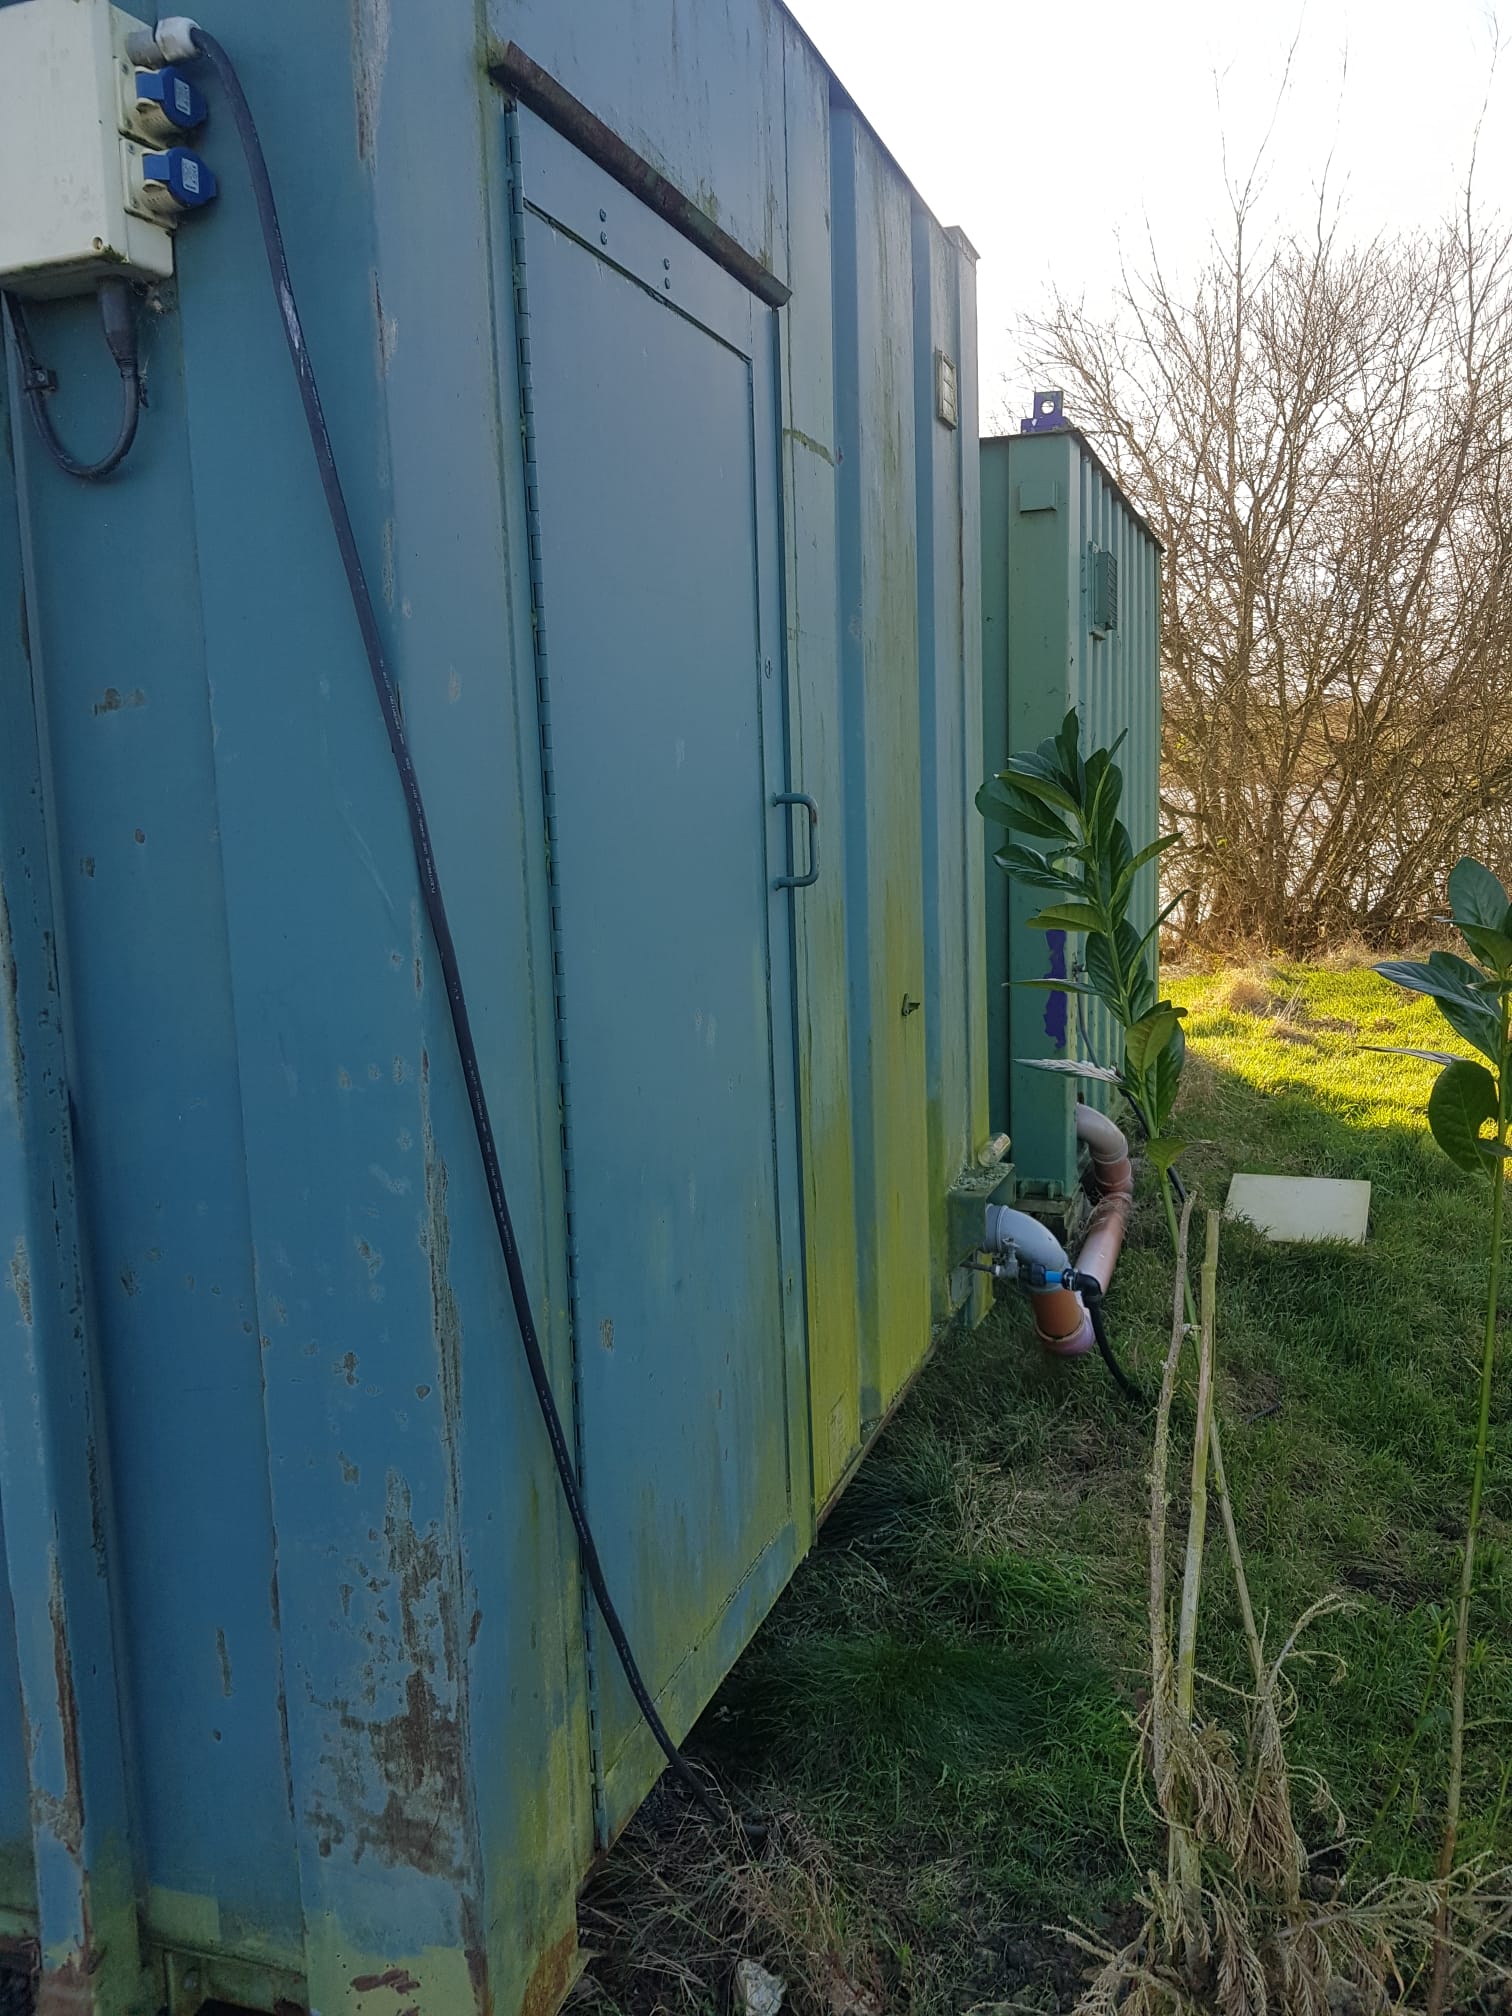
{"x": 1060, "y": 1318}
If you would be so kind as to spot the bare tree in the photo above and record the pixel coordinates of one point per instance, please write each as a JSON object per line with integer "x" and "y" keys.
{"x": 1320, "y": 433}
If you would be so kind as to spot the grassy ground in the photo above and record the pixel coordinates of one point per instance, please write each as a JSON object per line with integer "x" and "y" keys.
{"x": 938, "y": 1714}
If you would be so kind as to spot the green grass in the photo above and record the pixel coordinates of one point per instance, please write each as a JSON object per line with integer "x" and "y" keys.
{"x": 940, "y": 1706}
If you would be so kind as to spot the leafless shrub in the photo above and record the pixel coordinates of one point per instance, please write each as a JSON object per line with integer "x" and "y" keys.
{"x": 1319, "y": 432}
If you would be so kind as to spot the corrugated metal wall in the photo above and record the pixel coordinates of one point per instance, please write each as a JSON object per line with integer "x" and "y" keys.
{"x": 313, "y": 1711}
{"x": 1048, "y": 506}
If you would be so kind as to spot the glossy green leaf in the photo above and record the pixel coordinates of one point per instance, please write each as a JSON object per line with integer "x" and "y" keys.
{"x": 1478, "y": 1026}
{"x": 1145, "y": 1039}
{"x": 1036, "y": 870}
{"x": 1460, "y": 1106}
{"x": 1001, "y": 802}
{"x": 1145, "y": 854}
{"x": 1461, "y": 993}
{"x": 1149, "y": 937}
{"x": 1476, "y": 897}
{"x": 1493, "y": 946}
{"x": 1066, "y": 746}
{"x": 1114, "y": 870}
{"x": 1068, "y": 917}
{"x": 1031, "y": 775}
{"x": 1104, "y": 792}
{"x": 1163, "y": 1151}
{"x": 1165, "y": 1079}
{"x": 1051, "y": 985}
{"x": 1406, "y": 1050}
{"x": 1102, "y": 972}
{"x": 1071, "y": 1067}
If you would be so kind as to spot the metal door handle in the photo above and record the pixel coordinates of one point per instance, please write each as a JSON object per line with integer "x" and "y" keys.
{"x": 801, "y": 881}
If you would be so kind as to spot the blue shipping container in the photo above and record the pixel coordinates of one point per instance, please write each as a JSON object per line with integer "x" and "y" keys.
{"x": 652, "y": 383}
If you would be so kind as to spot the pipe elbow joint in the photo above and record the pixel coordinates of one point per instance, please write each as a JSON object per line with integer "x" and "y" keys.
{"x": 1108, "y": 1146}
{"x": 1061, "y": 1321}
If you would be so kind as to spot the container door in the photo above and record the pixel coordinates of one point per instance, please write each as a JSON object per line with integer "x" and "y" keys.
{"x": 651, "y": 379}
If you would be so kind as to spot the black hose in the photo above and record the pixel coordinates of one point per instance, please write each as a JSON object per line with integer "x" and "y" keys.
{"x": 430, "y": 889}
{"x": 118, "y": 318}
{"x": 1100, "y": 1331}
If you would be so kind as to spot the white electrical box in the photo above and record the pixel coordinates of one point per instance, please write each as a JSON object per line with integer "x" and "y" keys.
{"x": 70, "y": 151}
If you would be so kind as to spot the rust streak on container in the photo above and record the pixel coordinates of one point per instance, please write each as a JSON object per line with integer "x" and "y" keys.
{"x": 399, "y": 1979}
{"x": 553, "y": 1976}
{"x": 67, "y": 1815}
{"x": 66, "y": 1990}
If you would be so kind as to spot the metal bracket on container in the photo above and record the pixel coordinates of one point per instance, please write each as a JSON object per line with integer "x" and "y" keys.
{"x": 1049, "y": 414}
{"x": 966, "y": 1202}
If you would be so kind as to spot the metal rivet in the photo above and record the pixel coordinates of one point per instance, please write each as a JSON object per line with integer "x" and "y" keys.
{"x": 666, "y": 265}
{"x": 603, "y": 237}
{"x": 603, "y": 216}
{"x": 667, "y": 284}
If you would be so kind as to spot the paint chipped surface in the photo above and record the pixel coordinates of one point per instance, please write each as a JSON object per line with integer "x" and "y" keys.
{"x": 397, "y": 1765}
{"x": 370, "y": 47}
{"x": 20, "y": 1274}
{"x": 112, "y": 700}
{"x": 60, "y": 1811}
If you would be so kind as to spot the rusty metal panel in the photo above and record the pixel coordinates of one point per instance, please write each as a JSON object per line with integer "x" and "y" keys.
{"x": 312, "y": 1712}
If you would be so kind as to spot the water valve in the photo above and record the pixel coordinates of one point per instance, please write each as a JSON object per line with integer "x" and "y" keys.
{"x": 164, "y": 104}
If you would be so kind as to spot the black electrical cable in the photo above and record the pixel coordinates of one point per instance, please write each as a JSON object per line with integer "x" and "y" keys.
{"x": 1090, "y": 1289}
{"x": 118, "y": 318}
{"x": 430, "y": 888}
{"x": 1100, "y": 1331}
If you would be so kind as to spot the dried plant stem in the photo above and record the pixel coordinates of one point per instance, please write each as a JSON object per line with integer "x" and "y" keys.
{"x": 1191, "y": 1587}
{"x": 1186, "y": 1859}
{"x": 1160, "y": 1648}
{"x": 1231, "y": 1534}
{"x": 1220, "y": 1473}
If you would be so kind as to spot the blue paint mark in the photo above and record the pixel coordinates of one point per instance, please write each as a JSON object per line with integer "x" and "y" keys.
{"x": 1057, "y": 1006}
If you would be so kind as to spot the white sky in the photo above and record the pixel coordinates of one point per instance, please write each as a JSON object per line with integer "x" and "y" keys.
{"x": 1055, "y": 136}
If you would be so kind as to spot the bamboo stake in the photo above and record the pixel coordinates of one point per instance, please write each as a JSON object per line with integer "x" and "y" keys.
{"x": 1185, "y": 1857}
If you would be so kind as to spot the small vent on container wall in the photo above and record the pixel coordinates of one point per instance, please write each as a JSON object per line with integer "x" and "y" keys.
{"x": 947, "y": 400}
{"x": 1104, "y": 591}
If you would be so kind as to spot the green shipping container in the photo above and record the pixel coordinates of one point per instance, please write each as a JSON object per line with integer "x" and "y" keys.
{"x": 1070, "y": 618}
